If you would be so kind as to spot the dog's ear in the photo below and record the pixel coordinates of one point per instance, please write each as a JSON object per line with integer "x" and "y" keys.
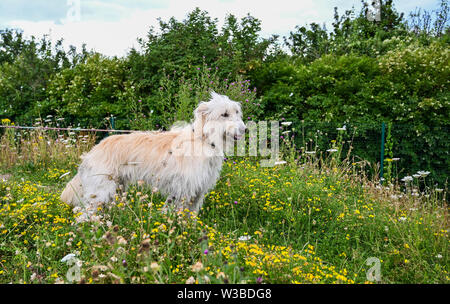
{"x": 201, "y": 111}
{"x": 200, "y": 116}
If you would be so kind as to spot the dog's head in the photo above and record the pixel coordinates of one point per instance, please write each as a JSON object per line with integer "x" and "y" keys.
{"x": 220, "y": 117}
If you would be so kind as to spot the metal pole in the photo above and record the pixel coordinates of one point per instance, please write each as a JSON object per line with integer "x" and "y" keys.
{"x": 383, "y": 129}
{"x": 113, "y": 122}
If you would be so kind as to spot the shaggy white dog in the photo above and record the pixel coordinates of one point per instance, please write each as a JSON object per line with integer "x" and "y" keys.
{"x": 183, "y": 163}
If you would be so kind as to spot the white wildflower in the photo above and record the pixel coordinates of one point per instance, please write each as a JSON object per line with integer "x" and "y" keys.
{"x": 423, "y": 173}
{"x": 407, "y": 179}
{"x": 245, "y": 238}
{"x": 281, "y": 162}
{"x": 155, "y": 267}
{"x": 68, "y": 257}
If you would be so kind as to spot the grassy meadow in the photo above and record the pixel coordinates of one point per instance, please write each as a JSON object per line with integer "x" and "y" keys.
{"x": 309, "y": 220}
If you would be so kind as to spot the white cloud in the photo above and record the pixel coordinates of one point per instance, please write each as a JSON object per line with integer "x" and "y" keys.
{"x": 115, "y": 37}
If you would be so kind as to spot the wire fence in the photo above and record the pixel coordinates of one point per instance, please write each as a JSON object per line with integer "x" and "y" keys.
{"x": 67, "y": 129}
{"x": 397, "y": 150}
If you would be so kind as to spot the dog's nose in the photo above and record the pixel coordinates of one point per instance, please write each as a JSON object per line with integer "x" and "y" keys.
{"x": 242, "y": 129}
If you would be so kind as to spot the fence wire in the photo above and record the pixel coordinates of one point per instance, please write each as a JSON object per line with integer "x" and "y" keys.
{"x": 407, "y": 148}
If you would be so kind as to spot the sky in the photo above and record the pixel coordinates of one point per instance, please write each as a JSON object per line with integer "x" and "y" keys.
{"x": 112, "y": 27}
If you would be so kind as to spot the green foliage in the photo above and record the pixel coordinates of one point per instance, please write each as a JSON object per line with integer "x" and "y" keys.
{"x": 407, "y": 86}
{"x": 26, "y": 66}
{"x": 98, "y": 84}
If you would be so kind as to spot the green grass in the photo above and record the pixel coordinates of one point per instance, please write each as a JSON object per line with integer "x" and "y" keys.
{"x": 293, "y": 223}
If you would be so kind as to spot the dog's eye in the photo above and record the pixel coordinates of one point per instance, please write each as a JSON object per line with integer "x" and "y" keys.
{"x": 225, "y": 114}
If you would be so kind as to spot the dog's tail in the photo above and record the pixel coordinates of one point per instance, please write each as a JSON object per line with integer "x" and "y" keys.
{"x": 73, "y": 192}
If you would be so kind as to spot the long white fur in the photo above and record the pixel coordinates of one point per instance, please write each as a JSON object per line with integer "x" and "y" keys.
{"x": 183, "y": 163}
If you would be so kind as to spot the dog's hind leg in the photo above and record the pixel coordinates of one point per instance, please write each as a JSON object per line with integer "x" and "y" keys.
{"x": 197, "y": 202}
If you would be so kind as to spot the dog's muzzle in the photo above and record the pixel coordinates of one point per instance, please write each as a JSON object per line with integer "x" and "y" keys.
{"x": 240, "y": 133}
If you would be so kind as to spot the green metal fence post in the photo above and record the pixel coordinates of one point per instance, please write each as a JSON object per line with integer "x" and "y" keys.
{"x": 113, "y": 122}
{"x": 383, "y": 130}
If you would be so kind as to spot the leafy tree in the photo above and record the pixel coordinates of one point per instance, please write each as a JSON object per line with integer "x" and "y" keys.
{"x": 185, "y": 46}
{"x": 310, "y": 44}
{"x": 352, "y": 33}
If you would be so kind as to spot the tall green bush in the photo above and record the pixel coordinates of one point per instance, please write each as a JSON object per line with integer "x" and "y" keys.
{"x": 89, "y": 93}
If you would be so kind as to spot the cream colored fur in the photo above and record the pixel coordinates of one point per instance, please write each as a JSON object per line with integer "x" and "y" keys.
{"x": 183, "y": 163}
